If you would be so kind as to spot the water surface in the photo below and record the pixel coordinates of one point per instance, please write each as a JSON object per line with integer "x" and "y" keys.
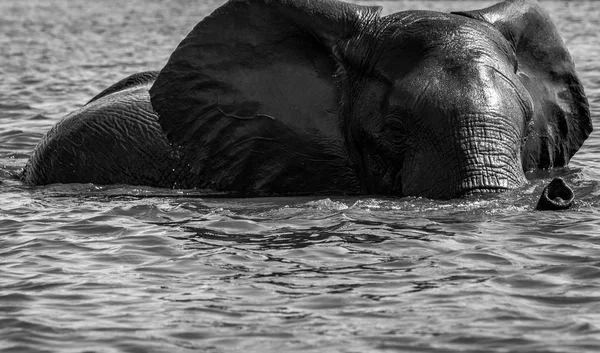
{"x": 131, "y": 269}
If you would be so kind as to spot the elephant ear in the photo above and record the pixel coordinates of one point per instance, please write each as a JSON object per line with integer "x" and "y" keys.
{"x": 561, "y": 118}
{"x": 254, "y": 81}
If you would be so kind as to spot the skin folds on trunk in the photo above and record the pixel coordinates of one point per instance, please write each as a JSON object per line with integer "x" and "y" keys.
{"x": 473, "y": 159}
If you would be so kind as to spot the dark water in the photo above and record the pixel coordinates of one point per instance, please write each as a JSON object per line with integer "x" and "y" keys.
{"x": 129, "y": 269}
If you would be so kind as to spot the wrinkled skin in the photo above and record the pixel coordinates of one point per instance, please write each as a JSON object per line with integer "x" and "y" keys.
{"x": 114, "y": 139}
{"x": 325, "y": 97}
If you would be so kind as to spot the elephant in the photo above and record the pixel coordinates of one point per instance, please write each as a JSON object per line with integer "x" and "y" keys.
{"x": 299, "y": 97}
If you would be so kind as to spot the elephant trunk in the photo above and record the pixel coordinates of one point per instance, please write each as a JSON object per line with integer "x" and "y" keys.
{"x": 556, "y": 196}
{"x": 475, "y": 153}
{"x": 488, "y": 155}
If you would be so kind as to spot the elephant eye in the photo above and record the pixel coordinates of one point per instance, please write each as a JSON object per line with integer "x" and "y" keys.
{"x": 394, "y": 120}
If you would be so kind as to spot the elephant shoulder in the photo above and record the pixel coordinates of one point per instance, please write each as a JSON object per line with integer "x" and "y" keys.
{"x": 137, "y": 79}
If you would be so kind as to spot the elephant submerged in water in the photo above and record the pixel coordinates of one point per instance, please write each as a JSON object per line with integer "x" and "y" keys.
{"x": 291, "y": 97}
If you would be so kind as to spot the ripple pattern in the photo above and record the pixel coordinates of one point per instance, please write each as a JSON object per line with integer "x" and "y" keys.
{"x": 130, "y": 269}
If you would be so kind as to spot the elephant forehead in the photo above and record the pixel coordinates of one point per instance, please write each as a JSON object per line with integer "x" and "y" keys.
{"x": 443, "y": 66}
{"x": 438, "y": 28}
{"x": 403, "y": 40}
{"x": 434, "y": 91}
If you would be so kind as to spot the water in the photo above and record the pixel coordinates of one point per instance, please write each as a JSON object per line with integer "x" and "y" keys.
{"x": 130, "y": 269}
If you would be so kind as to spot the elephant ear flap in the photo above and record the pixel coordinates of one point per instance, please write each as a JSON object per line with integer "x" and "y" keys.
{"x": 561, "y": 119}
{"x": 255, "y": 60}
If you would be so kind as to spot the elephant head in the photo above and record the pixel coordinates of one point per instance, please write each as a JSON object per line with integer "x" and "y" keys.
{"x": 299, "y": 96}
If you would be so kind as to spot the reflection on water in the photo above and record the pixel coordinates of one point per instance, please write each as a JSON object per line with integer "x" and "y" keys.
{"x": 120, "y": 268}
